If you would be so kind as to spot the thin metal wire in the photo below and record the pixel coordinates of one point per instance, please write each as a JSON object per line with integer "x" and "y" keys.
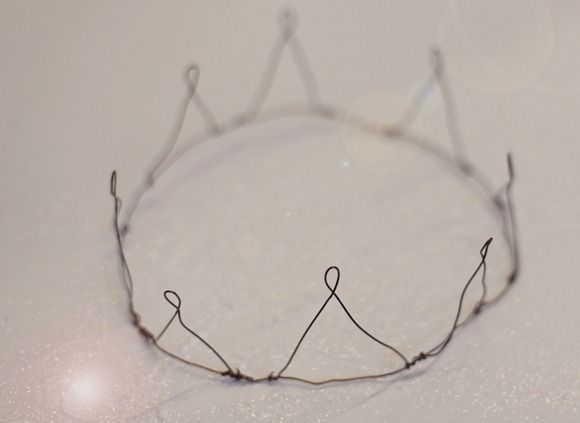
{"x": 500, "y": 202}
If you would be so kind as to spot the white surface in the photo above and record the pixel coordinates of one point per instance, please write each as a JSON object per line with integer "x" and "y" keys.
{"x": 241, "y": 228}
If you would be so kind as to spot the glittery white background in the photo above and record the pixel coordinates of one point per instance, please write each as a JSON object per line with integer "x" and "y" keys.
{"x": 245, "y": 226}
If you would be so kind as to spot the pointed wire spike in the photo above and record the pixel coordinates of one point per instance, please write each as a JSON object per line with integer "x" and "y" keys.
{"x": 114, "y": 183}
{"x": 436, "y": 60}
{"x": 332, "y": 289}
{"x": 192, "y": 73}
{"x": 510, "y": 165}
{"x": 288, "y": 21}
{"x": 483, "y": 251}
{"x": 177, "y": 303}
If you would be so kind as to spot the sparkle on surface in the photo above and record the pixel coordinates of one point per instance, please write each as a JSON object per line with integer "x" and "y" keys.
{"x": 246, "y": 226}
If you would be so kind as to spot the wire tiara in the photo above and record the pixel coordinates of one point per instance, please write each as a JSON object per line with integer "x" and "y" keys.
{"x": 500, "y": 200}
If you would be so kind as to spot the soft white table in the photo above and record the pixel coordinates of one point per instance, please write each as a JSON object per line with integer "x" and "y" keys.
{"x": 245, "y": 226}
